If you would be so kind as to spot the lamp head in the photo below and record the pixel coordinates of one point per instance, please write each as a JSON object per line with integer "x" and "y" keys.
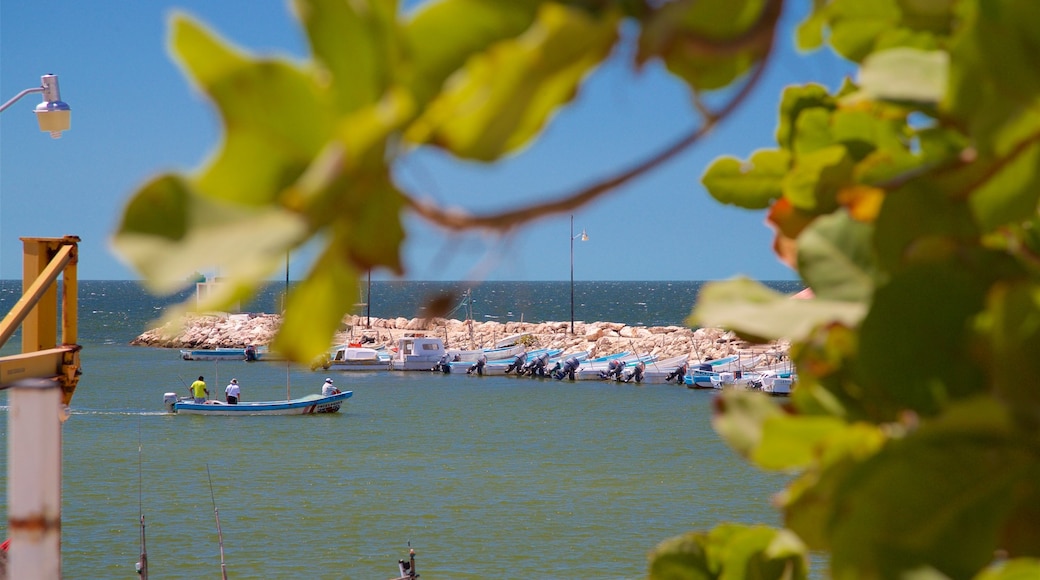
{"x": 584, "y": 236}
{"x": 53, "y": 114}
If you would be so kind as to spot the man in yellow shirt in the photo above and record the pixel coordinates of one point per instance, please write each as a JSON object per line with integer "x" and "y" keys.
{"x": 199, "y": 391}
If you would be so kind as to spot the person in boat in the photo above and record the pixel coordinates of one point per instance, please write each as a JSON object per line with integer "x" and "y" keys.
{"x": 232, "y": 392}
{"x": 570, "y": 367}
{"x": 198, "y": 389}
{"x": 678, "y": 375}
{"x": 250, "y": 353}
{"x": 634, "y": 374}
{"x": 478, "y": 367}
{"x": 517, "y": 364}
{"x": 327, "y": 389}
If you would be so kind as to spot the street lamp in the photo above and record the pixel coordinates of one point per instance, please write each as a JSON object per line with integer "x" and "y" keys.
{"x": 53, "y": 114}
{"x": 584, "y": 237}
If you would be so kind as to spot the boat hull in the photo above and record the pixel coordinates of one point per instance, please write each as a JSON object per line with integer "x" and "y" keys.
{"x": 309, "y": 405}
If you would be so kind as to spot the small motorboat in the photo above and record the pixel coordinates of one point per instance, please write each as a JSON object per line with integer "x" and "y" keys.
{"x": 308, "y": 405}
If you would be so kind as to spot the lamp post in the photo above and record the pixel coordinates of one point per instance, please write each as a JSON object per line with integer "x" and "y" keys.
{"x": 35, "y": 406}
{"x": 584, "y": 237}
{"x": 53, "y": 114}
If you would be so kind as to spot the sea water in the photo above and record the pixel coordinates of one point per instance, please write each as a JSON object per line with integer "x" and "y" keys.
{"x": 482, "y": 476}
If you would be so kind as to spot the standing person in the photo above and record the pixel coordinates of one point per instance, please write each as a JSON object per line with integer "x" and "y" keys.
{"x": 327, "y": 390}
{"x": 232, "y": 392}
{"x": 198, "y": 389}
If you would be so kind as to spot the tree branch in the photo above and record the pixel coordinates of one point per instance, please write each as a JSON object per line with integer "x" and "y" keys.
{"x": 457, "y": 219}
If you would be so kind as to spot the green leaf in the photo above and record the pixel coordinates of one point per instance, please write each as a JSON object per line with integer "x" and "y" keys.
{"x": 275, "y": 116}
{"x": 740, "y": 417}
{"x": 753, "y": 310}
{"x": 442, "y": 36}
{"x": 316, "y": 306}
{"x": 357, "y": 42}
{"x": 815, "y": 178}
{"x": 502, "y": 99}
{"x": 794, "y": 442}
{"x": 809, "y": 503}
{"x": 752, "y": 185}
{"x": 906, "y": 74}
{"x": 683, "y": 33}
{"x": 730, "y": 552}
{"x": 920, "y": 222}
{"x": 200, "y": 233}
{"x": 936, "y": 498}
{"x": 1012, "y": 193}
{"x": 1013, "y": 332}
{"x": 809, "y": 34}
{"x": 160, "y": 208}
{"x": 836, "y": 260}
{"x": 795, "y": 101}
{"x": 856, "y": 25}
{"x": 1017, "y": 569}
{"x": 933, "y": 307}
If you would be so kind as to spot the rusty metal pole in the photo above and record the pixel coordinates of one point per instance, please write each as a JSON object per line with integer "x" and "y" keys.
{"x": 34, "y": 418}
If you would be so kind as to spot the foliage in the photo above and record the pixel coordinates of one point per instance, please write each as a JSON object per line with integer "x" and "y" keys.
{"x": 907, "y": 200}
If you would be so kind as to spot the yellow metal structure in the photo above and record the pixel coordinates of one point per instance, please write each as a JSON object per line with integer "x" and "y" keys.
{"x": 42, "y": 355}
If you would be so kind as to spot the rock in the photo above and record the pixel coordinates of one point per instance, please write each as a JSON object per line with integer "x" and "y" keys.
{"x": 599, "y": 338}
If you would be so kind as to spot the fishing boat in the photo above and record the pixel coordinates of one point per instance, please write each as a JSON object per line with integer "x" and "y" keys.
{"x": 498, "y": 367}
{"x": 592, "y": 370}
{"x": 418, "y": 353}
{"x": 308, "y": 405}
{"x": 359, "y": 358}
{"x": 664, "y": 371}
{"x": 249, "y": 354}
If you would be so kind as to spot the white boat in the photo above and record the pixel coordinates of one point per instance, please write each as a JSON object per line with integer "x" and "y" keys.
{"x": 511, "y": 340}
{"x": 778, "y": 384}
{"x": 669, "y": 370}
{"x": 502, "y": 353}
{"x": 308, "y": 405}
{"x": 248, "y": 354}
{"x": 359, "y": 358}
{"x": 417, "y": 353}
{"x": 698, "y": 375}
{"x": 498, "y": 367}
{"x": 736, "y": 380}
{"x": 593, "y": 370}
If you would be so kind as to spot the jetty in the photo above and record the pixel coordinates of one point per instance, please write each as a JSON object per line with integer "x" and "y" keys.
{"x": 223, "y": 330}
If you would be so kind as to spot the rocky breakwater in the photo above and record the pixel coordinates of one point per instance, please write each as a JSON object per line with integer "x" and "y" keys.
{"x": 598, "y": 338}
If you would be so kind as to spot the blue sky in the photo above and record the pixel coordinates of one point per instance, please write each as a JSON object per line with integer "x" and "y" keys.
{"x": 135, "y": 114}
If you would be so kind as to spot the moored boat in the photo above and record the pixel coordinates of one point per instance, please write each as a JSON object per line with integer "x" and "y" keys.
{"x": 359, "y": 358}
{"x": 248, "y": 354}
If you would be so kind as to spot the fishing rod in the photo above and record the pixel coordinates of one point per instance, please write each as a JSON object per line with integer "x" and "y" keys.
{"x": 220, "y": 536}
{"x": 142, "y": 563}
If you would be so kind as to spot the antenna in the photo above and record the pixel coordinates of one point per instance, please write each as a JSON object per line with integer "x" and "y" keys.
{"x": 220, "y": 536}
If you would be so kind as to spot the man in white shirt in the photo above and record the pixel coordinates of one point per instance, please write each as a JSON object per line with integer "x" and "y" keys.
{"x": 328, "y": 390}
{"x": 232, "y": 392}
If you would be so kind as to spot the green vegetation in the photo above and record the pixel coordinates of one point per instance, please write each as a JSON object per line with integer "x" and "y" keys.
{"x": 907, "y": 201}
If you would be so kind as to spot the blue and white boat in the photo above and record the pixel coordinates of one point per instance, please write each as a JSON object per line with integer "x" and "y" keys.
{"x": 308, "y": 405}
{"x": 498, "y": 367}
{"x": 248, "y": 354}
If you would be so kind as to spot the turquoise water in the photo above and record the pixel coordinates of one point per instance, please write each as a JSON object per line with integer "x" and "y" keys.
{"x": 492, "y": 476}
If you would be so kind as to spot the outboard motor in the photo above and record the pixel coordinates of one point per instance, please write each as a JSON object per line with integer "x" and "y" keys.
{"x": 250, "y": 353}
{"x": 407, "y": 567}
{"x": 169, "y": 400}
